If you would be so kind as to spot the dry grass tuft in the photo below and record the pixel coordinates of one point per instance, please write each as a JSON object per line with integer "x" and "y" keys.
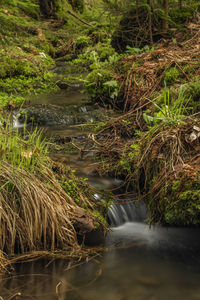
{"x": 37, "y": 214}
{"x": 35, "y": 211}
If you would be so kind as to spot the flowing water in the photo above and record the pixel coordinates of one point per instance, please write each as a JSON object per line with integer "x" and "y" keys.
{"x": 139, "y": 262}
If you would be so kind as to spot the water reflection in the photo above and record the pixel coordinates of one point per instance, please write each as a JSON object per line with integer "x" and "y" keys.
{"x": 148, "y": 263}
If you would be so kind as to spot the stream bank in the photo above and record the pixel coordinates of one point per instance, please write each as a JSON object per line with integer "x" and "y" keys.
{"x": 137, "y": 261}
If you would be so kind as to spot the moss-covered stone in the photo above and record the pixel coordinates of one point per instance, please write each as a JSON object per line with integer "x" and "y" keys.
{"x": 183, "y": 204}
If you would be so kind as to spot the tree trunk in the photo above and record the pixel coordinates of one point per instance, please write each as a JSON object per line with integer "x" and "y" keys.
{"x": 164, "y": 21}
{"x": 180, "y": 4}
{"x": 47, "y": 7}
{"x": 137, "y": 17}
{"x": 150, "y": 23}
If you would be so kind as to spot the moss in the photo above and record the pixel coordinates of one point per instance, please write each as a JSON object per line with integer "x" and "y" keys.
{"x": 190, "y": 69}
{"x": 23, "y": 72}
{"x": 185, "y": 210}
{"x": 179, "y": 204}
{"x": 71, "y": 189}
{"x": 100, "y": 217}
{"x": 171, "y": 76}
{"x": 193, "y": 91}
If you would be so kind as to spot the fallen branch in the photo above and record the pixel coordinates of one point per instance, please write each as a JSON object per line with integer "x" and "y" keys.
{"x": 82, "y": 21}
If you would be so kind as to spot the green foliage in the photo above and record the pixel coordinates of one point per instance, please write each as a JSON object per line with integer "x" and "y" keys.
{"x": 5, "y": 99}
{"x": 128, "y": 159}
{"x": 124, "y": 166}
{"x": 60, "y": 9}
{"x": 28, "y": 85}
{"x": 20, "y": 153}
{"x": 132, "y": 50}
{"x": 100, "y": 84}
{"x": 180, "y": 16}
{"x": 105, "y": 52}
{"x": 171, "y": 76}
{"x": 71, "y": 189}
{"x": 99, "y": 56}
{"x": 113, "y": 87}
{"x": 77, "y": 5}
{"x": 170, "y": 112}
{"x": 82, "y": 42}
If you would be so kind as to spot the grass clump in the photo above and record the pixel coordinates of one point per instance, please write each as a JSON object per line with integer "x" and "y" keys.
{"x": 43, "y": 205}
{"x": 168, "y": 171}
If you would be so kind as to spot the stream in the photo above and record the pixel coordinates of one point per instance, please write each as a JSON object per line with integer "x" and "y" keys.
{"x": 140, "y": 262}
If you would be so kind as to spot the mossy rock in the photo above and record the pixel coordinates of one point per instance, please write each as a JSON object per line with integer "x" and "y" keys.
{"x": 184, "y": 206}
{"x": 179, "y": 203}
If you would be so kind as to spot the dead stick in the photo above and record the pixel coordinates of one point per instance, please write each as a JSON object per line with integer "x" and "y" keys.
{"x": 82, "y": 21}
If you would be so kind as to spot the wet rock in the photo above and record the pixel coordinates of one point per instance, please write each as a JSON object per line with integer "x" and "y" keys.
{"x": 55, "y": 115}
{"x": 95, "y": 238}
{"x": 62, "y": 85}
{"x": 84, "y": 222}
{"x": 86, "y": 230}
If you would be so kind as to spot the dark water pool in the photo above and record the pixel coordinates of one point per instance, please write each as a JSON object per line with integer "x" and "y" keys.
{"x": 147, "y": 263}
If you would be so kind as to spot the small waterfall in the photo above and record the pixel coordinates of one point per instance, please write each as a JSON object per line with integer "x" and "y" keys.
{"x": 16, "y": 122}
{"x": 119, "y": 214}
